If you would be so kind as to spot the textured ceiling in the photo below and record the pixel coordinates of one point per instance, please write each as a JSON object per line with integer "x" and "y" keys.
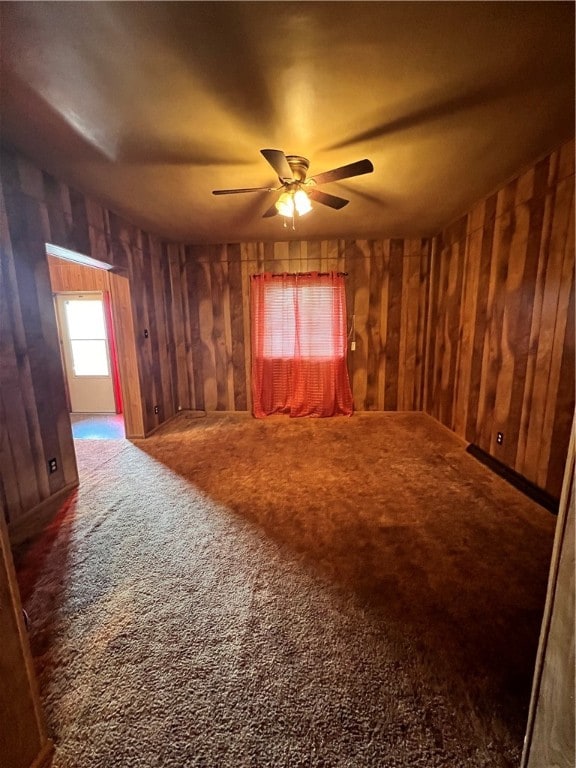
{"x": 150, "y": 106}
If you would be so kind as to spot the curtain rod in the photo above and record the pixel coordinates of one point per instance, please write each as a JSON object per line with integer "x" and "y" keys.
{"x": 307, "y": 274}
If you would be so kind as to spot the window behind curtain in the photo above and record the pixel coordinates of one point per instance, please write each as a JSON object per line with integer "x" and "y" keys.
{"x": 315, "y": 337}
{"x": 299, "y": 345}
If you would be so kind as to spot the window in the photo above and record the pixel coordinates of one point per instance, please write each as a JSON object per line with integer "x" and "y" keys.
{"x": 306, "y": 308}
{"x": 299, "y": 345}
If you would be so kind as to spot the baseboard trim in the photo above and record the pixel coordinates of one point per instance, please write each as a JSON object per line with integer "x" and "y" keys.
{"x": 44, "y": 757}
{"x": 531, "y": 490}
{"x": 30, "y": 521}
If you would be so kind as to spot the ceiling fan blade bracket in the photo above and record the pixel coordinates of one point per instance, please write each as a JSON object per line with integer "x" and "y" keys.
{"x": 277, "y": 159}
{"x": 242, "y": 191}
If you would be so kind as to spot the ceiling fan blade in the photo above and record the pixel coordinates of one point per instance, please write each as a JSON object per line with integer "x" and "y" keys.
{"x": 344, "y": 172}
{"x": 277, "y": 160}
{"x": 240, "y": 191}
{"x": 330, "y": 200}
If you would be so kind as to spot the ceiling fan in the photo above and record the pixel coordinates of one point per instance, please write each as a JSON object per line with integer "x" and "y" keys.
{"x": 297, "y": 190}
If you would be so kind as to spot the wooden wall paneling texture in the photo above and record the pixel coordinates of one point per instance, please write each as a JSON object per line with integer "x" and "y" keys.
{"x": 170, "y": 335}
{"x": 23, "y": 738}
{"x": 375, "y": 338}
{"x": 221, "y": 331}
{"x": 34, "y": 405}
{"x": 162, "y": 301}
{"x": 550, "y": 736}
{"x": 502, "y": 287}
{"x": 192, "y": 301}
{"x": 158, "y": 366}
{"x": 143, "y": 339}
{"x": 41, "y": 209}
{"x": 69, "y": 276}
{"x": 560, "y": 285}
{"x": 179, "y": 323}
{"x": 237, "y": 336}
{"x": 126, "y": 346}
{"x": 20, "y": 487}
{"x": 358, "y": 284}
{"x": 386, "y": 291}
{"x": 553, "y": 740}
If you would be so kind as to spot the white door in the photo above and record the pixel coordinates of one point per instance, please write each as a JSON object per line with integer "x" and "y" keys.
{"x": 86, "y": 352}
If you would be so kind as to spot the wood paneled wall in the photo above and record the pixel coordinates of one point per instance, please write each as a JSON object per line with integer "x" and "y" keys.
{"x": 501, "y": 343}
{"x": 23, "y": 737}
{"x": 387, "y": 293}
{"x": 37, "y": 209}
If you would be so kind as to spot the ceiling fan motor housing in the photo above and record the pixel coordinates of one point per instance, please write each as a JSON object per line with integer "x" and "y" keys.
{"x": 299, "y": 166}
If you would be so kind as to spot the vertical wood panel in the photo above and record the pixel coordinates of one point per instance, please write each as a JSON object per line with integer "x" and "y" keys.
{"x": 563, "y": 242}
{"x": 220, "y": 333}
{"x": 160, "y": 311}
{"x": 551, "y": 738}
{"x": 383, "y": 288}
{"x": 182, "y": 353}
{"x": 247, "y": 257}
{"x": 237, "y": 329}
{"x": 126, "y": 346}
{"x": 394, "y": 376}
{"x": 23, "y": 739}
{"x": 193, "y": 299}
{"x": 375, "y": 347}
{"x": 501, "y": 361}
{"x": 358, "y": 257}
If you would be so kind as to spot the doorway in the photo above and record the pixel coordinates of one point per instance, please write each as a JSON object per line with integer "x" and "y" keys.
{"x": 74, "y": 273}
{"x": 86, "y": 352}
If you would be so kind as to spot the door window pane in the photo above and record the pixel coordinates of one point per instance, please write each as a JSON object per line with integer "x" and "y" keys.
{"x": 85, "y": 319}
{"x": 89, "y": 357}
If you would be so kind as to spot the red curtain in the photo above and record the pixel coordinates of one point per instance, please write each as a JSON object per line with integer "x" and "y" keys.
{"x": 299, "y": 345}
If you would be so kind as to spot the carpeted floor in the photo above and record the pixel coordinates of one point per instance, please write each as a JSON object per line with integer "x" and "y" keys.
{"x": 340, "y": 593}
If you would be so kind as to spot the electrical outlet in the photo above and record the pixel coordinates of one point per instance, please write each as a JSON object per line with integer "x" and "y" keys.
{"x": 353, "y": 346}
{"x": 156, "y": 409}
{"x": 52, "y": 465}
{"x": 500, "y": 438}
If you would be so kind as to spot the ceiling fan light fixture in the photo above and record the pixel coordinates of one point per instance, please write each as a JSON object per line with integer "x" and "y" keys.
{"x": 290, "y": 203}
{"x": 302, "y": 202}
{"x": 285, "y": 205}
{"x": 294, "y": 200}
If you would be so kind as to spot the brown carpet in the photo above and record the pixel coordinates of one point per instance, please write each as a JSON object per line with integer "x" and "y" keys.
{"x": 342, "y": 592}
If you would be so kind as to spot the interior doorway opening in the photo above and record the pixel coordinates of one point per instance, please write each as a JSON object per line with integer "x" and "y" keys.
{"x": 97, "y": 344}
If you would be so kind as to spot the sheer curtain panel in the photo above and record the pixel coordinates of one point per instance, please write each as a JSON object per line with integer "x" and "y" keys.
{"x": 299, "y": 345}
